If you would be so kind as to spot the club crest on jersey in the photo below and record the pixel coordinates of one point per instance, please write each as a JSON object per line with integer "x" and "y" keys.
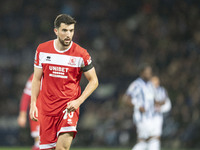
{"x": 72, "y": 61}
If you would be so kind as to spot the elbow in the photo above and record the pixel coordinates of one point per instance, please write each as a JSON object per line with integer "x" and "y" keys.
{"x": 96, "y": 83}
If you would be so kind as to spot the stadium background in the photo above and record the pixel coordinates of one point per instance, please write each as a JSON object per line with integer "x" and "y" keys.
{"x": 119, "y": 34}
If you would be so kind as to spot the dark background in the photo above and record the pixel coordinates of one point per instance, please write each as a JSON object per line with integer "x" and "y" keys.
{"x": 119, "y": 35}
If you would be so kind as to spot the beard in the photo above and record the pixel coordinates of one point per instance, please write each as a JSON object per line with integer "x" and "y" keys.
{"x": 64, "y": 43}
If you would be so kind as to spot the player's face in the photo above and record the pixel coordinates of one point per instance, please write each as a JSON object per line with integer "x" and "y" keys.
{"x": 65, "y": 34}
{"x": 147, "y": 73}
{"x": 155, "y": 80}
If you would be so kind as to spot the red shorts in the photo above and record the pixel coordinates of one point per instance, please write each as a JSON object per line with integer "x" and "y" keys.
{"x": 34, "y": 127}
{"x": 52, "y": 126}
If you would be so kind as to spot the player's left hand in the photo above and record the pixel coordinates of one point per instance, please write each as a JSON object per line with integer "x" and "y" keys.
{"x": 73, "y": 105}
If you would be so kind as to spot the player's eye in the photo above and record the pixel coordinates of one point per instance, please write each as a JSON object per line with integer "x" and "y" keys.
{"x": 64, "y": 30}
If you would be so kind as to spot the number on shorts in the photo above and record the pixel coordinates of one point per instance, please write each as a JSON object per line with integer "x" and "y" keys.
{"x": 66, "y": 115}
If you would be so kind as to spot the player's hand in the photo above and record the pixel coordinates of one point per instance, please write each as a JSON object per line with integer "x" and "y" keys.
{"x": 142, "y": 110}
{"x": 159, "y": 103}
{"x": 73, "y": 105}
{"x": 22, "y": 119}
{"x": 33, "y": 112}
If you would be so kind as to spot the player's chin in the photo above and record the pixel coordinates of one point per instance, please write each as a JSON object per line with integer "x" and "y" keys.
{"x": 67, "y": 43}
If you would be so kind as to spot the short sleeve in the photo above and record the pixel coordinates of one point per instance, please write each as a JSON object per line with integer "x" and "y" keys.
{"x": 27, "y": 89}
{"x": 130, "y": 89}
{"x": 37, "y": 61}
{"x": 134, "y": 91}
{"x": 87, "y": 62}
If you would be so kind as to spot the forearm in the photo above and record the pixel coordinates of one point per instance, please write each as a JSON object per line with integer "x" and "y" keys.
{"x": 35, "y": 89}
{"x": 127, "y": 100}
{"x": 23, "y": 113}
{"x": 89, "y": 89}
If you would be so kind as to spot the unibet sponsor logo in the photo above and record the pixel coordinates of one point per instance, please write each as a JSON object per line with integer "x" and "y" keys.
{"x": 59, "y": 69}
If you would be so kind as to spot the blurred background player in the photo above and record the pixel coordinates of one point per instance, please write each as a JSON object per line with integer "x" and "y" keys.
{"x": 22, "y": 118}
{"x": 162, "y": 105}
{"x": 140, "y": 94}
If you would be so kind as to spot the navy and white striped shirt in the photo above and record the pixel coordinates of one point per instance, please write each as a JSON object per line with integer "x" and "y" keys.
{"x": 142, "y": 95}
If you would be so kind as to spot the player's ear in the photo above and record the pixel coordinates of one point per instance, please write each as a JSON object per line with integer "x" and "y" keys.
{"x": 56, "y": 31}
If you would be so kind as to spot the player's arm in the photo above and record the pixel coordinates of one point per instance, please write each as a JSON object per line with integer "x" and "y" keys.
{"x": 127, "y": 99}
{"x": 137, "y": 98}
{"x": 24, "y": 102}
{"x": 167, "y": 106}
{"x": 91, "y": 86}
{"x": 35, "y": 89}
{"x": 133, "y": 97}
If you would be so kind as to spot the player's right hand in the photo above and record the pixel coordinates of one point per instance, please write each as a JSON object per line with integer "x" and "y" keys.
{"x": 33, "y": 112}
{"x": 22, "y": 119}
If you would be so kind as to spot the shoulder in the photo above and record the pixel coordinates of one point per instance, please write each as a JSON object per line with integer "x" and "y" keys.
{"x": 77, "y": 46}
{"x": 134, "y": 87}
{"x": 78, "y": 49}
{"x": 44, "y": 46}
{"x": 138, "y": 82}
{"x": 135, "y": 83}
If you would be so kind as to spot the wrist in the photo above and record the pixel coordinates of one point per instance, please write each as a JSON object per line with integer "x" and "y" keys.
{"x": 80, "y": 100}
{"x": 33, "y": 103}
{"x": 22, "y": 113}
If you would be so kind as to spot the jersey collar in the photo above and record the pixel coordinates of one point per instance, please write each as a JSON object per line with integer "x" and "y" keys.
{"x": 54, "y": 44}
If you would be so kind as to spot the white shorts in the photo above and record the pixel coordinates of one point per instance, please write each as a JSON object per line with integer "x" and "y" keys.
{"x": 149, "y": 128}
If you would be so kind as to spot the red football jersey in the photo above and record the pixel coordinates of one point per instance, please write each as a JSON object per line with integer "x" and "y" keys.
{"x": 62, "y": 72}
{"x": 26, "y": 96}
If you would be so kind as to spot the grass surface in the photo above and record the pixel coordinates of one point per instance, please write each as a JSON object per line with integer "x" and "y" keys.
{"x": 29, "y": 148}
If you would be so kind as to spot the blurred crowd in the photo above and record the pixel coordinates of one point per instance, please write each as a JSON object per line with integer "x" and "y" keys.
{"x": 119, "y": 35}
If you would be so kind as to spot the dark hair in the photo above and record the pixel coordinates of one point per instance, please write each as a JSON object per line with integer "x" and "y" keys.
{"x": 63, "y": 18}
{"x": 142, "y": 67}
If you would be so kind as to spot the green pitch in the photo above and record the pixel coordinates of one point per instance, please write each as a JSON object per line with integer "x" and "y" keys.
{"x": 28, "y": 148}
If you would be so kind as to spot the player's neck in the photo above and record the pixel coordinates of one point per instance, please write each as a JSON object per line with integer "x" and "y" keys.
{"x": 59, "y": 46}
